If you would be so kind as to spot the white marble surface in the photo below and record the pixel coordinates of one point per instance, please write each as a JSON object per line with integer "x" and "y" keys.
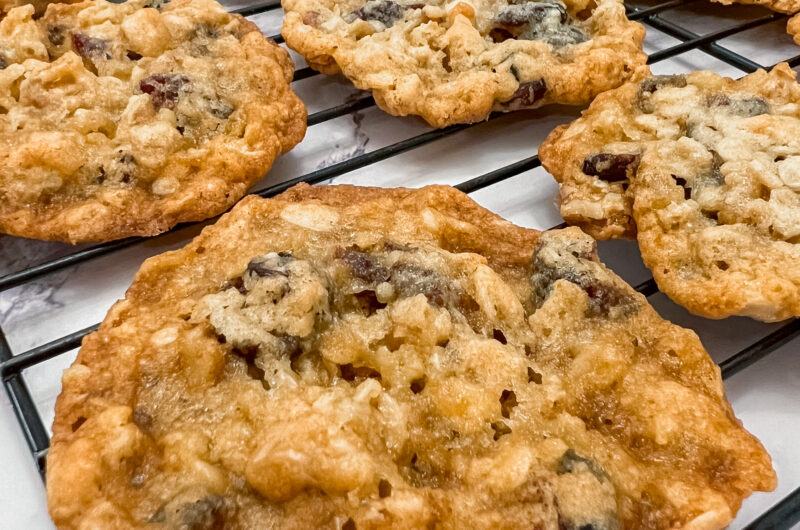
{"x": 765, "y": 396}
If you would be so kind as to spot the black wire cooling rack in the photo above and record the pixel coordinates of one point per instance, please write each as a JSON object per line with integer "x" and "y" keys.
{"x": 783, "y": 515}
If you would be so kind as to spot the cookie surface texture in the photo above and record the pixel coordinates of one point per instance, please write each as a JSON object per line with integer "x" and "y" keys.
{"x": 789, "y": 7}
{"x": 455, "y": 62}
{"x": 708, "y": 170}
{"x": 793, "y": 28}
{"x": 346, "y": 357}
{"x": 122, "y": 119}
{"x": 40, "y": 6}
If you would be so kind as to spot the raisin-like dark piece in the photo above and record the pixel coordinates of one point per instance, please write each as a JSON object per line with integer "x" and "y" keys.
{"x": 236, "y": 283}
{"x": 132, "y": 55}
{"x": 410, "y": 280}
{"x": 208, "y": 513}
{"x": 157, "y": 4}
{"x": 259, "y": 269}
{"x": 745, "y": 107}
{"x": 500, "y": 35}
{"x": 55, "y": 34}
{"x": 529, "y": 93}
{"x": 749, "y": 107}
{"x": 164, "y": 89}
{"x": 602, "y": 296}
{"x": 90, "y": 47}
{"x": 570, "y": 459}
{"x": 383, "y": 11}
{"x": 545, "y": 20}
{"x": 611, "y": 167}
{"x": 363, "y": 266}
{"x": 651, "y": 84}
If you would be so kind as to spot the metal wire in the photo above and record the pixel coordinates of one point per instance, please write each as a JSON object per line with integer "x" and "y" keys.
{"x": 783, "y": 515}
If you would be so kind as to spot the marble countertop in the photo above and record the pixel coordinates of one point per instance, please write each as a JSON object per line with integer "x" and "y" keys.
{"x": 765, "y": 395}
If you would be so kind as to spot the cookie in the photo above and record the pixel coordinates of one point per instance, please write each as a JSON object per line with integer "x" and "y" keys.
{"x": 39, "y": 5}
{"x": 789, "y": 7}
{"x": 718, "y": 212}
{"x": 342, "y": 357}
{"x": 127, "y": 119}
{"x": 455, "y": 62}
{"x": 793, "y": 28}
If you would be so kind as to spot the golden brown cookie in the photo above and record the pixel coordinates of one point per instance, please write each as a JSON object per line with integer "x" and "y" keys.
{"x": 781, "y": 6}
{"x": 39, "y": 5}
{"x": 121, "y": 119}
{"x": 793, "y": 28}
{"x": 719, "y": 242}
{"x": 718, "y": 212}
{"x": 342, "y": 357}
{"x": 456, "y": 62}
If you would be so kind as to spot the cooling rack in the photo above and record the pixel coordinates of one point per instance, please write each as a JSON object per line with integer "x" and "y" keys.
{"x": 783, "y": 514}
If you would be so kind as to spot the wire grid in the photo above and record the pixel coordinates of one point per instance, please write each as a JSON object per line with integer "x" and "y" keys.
{"x": 783, "y": 515}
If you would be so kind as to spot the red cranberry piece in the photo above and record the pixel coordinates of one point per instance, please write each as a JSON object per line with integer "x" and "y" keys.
{"x": 164, "y": 89}
{"x": 90, "y": 47}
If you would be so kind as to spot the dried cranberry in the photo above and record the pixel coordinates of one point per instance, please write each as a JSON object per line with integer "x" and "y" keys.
{"x": 90, "y": 47}
{"x": 610, "y": 167}
{"x": 364, "y": 266}
{"x": 164, "y": 89}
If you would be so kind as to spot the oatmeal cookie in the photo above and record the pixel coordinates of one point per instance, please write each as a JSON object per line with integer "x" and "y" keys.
{"x": 344, "y": 357}
{"x": 123, "y": 119}
{"x": 793, "y": 28}
{"x": 718, "y": 214}
{"x": 789, "y": 7}
{"x": 455, "y": 62}
{"x": 722, "y": 236}
{"x": 39, "y": 5}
